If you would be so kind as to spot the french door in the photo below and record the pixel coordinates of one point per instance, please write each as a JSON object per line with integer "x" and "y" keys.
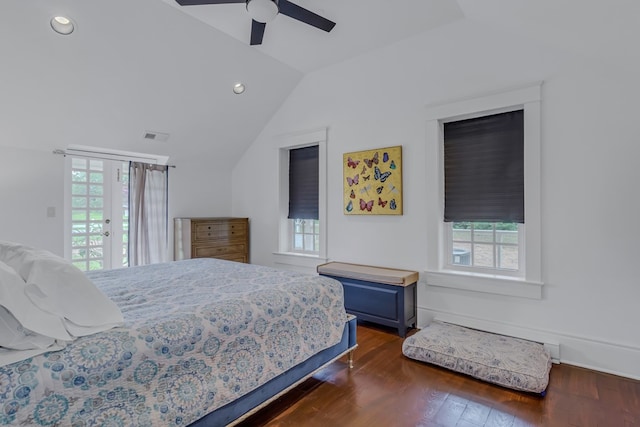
{"x": 97, "y": 213}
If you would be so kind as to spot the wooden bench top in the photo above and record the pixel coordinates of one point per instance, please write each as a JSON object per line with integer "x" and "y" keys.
{"x": 390, "y": 276}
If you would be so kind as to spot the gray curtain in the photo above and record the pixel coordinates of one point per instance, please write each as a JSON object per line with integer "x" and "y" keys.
{"x": 148, "y": 217}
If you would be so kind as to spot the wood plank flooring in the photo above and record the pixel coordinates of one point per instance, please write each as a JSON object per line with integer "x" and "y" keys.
{"x": 387, "y": 389}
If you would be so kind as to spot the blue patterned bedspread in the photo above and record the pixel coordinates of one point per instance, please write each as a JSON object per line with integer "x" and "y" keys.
{"x": 199, "y": 334}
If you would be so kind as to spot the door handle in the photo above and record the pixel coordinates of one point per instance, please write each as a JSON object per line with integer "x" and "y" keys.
{"x": 106, "y": 233}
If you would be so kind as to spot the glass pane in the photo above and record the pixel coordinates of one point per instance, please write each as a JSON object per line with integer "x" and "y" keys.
{"x": 96, "y": 165}
{"x": 96, "y": 264}
{"x": 81, "y": 265}
{"x": 297, "y": 242}
{"x": 308, "y": 242}
{"x": 95, "y": 252}
{"x": 316, "y": 243}
{"x": 297, "y": 225}
{"x": 96, "y": 190}
{"x": 79, "y": 228}
{"x": 507, "y": 236}
{"x": 77, "y": 254}
{"x": 78, "y": 215}
{"x": 78, "y": 202}
{"x": 95, "y": 227}
{"x": 96, "y": 215}
{"x": 485, "y": 236}
{"x": 78, "y": 189}
{"x": 464, "y": 235}
{"x": 96, "y": 177}
{"x": 78, "y": 176}
{"x": 461, "y": 254}
{"x": 78, "y": 163}
{"x": 79, "y": 241}
{"x": 483, "y": 256}
{"x": 308, "y": 226}
{"x": 316, "y": 225}
{"x": 507, "y": 257}
{"x": 96, "y": 202}
{"x": 96, "y": 240}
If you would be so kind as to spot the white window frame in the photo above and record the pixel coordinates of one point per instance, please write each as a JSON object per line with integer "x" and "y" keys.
{"x": 438, "y": 271}
{"x": 284, "y": 254}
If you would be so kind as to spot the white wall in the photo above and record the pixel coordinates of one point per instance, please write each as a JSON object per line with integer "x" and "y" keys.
{"x": 32, "y": 180}
{"x": 589, "y": 177}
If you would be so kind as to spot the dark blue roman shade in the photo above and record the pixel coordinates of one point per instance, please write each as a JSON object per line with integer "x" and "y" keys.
{"x": 303, "y": 183}
{"x": 484, "y": 169}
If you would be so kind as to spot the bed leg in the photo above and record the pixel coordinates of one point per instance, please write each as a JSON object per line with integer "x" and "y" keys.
{"x": 350, "y": 359}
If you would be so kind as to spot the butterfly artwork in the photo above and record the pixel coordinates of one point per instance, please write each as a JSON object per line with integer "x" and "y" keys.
{"x": 379, "y": 189}
{"x": 366, "y": 178}
{"x": 392, "y": 165}
{"x": 366, "y": 205}
{"x": 385, "y": 157}
{"x": 352, "y": 163}
{"x": 382, "y": 177}
{"x": 364, "y": 170}
{"x": 349, "y": 207}
{"x": 374, "y": 160}
{"x": 382, "y": 203}
{"x": 392, "y": 204}
{"x": 352, "y": 195}
{"x": 354, "y": 180}
{"x": 393, "y": 189}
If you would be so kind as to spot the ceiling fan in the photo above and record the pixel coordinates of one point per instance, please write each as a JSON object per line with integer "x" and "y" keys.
{"x": 263, "y": 11}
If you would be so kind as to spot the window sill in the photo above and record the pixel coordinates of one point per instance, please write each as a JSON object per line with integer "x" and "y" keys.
{"x": 501, "y": 285}
{"x": 298, "y": 260}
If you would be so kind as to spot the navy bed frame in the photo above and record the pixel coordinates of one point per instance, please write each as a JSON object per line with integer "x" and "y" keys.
{"x": 251, "y": 402}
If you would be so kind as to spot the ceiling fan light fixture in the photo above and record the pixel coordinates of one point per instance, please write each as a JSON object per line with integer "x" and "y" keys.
{"x": 62, "y": 25}
{"x": 262, "y": 10}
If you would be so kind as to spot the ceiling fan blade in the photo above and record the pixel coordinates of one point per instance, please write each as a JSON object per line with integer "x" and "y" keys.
{"x": 199, "y": 2}
{"x": 301, "y": 14}
{"x": 257, "y": 32}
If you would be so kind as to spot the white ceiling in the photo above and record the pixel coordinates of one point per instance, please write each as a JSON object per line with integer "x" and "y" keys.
{"x": 138, "y": 65}
{"x": 361, "y": 26}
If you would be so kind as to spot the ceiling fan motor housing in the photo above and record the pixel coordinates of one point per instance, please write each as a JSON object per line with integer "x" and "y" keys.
{"x": 262, "y": 10}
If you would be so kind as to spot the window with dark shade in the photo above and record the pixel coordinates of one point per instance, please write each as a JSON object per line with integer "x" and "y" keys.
{"x": 484, "y": 168}
{"x": 303, "y": 183}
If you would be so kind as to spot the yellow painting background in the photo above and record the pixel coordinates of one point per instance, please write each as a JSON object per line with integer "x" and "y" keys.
{"x": 367, "y": 192}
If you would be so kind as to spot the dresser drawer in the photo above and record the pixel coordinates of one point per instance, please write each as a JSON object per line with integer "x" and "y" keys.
{"x": 204, "y": 231}
{"x": 200, "y": 251}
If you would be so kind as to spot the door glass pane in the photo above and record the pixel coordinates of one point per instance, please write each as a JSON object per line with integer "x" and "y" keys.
{"x": 483, "y": 255}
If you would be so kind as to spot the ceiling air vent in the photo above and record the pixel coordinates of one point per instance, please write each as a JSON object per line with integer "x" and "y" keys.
{"x": 156, "y": 136}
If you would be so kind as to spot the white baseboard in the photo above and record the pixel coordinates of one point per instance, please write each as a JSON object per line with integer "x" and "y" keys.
{"x": 609, "y": 357}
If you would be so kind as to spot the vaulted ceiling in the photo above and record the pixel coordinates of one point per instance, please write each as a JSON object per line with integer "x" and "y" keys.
{"x": 152, "y": 65}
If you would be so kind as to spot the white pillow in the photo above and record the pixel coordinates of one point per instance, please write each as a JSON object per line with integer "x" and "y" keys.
{"x": 23, "y": 325}
{"x": 58, "y": 287}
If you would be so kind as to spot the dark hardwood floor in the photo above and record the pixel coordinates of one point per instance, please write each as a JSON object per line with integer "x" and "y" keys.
{"x": 387, "y": 389}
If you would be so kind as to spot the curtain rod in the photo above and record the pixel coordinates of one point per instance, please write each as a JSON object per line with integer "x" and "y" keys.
{"x": 108, "y": 156}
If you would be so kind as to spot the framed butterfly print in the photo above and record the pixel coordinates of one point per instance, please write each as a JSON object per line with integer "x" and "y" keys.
{"x": 373, "y": 182}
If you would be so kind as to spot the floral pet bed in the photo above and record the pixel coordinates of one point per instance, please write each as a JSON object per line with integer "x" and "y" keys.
{"x": 509, "y": 362}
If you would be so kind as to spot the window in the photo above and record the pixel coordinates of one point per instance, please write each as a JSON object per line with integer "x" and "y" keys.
{"x": 484, "y": 192}
{"x": 306, "y": 236}
{"x": 302, "y": 199}
{"x": 478, "y": 240}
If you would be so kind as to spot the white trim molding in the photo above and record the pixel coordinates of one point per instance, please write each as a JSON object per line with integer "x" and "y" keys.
{"x": 527, "y": 98}
{"x": 285, "y": 143}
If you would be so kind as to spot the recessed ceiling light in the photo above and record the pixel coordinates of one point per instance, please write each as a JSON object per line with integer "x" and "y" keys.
{"x": 62, "y": 25}
{"x": 238, "y": 88}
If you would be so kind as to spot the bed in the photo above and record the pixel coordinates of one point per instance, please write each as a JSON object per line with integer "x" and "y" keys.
{"x": 203, "y": 342}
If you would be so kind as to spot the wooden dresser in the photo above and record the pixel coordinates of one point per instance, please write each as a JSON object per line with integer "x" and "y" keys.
{"x": 223, "y": 238}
